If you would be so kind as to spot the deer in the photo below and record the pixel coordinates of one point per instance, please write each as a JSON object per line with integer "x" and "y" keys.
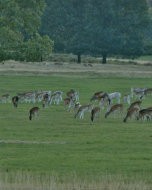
{"x": 148, "y": 91}
{"x": 69, "y": 103}
{"x": 94, "y": 112}
{"x": 135, "y": 104}
{"x": 145, "y": 114}
{"x": 115, "y": 95}
{"x": 15, "y": 101}
{"x": 132, "y": 112}
{"x": 138, "y": 92}
{"x": 127, "y": 99}
{"x": 73, "y": 95}
{"x": 83, "y": 109}
{"x": 46, "y": 100}
{"x": 56, "y": 97}
{"x": 97, "y": 96}
{"x": 114, "y": 108}
{"x": 33, "y": 112}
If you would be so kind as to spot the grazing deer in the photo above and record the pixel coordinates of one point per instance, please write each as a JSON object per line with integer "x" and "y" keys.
{"x": 46, "y": 100}
{"x": 148, "y": 91}
{"x": 114, "y": 108}
{"x": 115, "y": 95}
{"x": 33, "y": 112}
{"x": 145, "y": 114}
{"x": 83, "y": 109}
{"x": 135, "y": 104}
{"x": 15, "y": 100}
{"x": 104, "y": 101}
{"x": 73, "y": 95}
{"x": 5, "y": 98}
{"x": 94, "y": 112}
{"x": 132, "y": 112}
{"x": 138, "y": 92}
{"x": 97, "y": 96}
{"x": 56, "y": 97}
{"x": 69, "y": 103}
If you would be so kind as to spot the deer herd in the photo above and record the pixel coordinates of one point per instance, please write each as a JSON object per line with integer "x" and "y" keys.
{"x": 111, "y": 104}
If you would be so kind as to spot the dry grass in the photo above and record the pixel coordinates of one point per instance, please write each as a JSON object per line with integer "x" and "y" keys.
{"x": 47, "y": 68}
{"x": 27, "y": 181}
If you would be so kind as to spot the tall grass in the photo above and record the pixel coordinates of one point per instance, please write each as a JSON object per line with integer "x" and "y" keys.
{"x": 28, "y": 181}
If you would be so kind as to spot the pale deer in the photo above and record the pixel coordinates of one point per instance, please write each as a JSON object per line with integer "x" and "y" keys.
{"x": 5, "y": 98}
{"x": 115, "y": 95}
{"x": 138, "y": 92}
{"x": 148, "y": 91}
{"x": 127, "y": 99}
{"x": 56, "y": 97}
{"x": 73, "y": 95}
{"x": 132, "y": 112}
{"x": 94, "y": 113}
{"x": 83, "y": 109}
{"x": 15, "y": 101}
{"x": 115, "y": 108}
{"x": 33, "y": 112}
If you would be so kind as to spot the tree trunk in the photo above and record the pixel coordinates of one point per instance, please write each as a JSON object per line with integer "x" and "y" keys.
{"x": 104, "y": 58}
{"x": 79, "y": 58}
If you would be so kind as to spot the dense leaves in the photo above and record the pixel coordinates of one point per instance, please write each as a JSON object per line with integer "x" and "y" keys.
{"x": 20, "y": 21}
{"x": 97, "y": 27}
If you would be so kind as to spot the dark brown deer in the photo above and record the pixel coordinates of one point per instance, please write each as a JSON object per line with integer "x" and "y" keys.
{"x": 33, "y": 112}
{"x": 15, "y": 100}
{"x": 95, "y": 111}
{"x": 114, "y": 108}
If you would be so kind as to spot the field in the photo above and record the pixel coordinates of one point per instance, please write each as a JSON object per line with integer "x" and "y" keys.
{"x": 57, "y": 151}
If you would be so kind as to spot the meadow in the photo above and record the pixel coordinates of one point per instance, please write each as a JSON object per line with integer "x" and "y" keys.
{"x": 71, "y": 151}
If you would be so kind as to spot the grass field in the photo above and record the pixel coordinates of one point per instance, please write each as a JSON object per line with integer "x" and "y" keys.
{"x": 56, "y": 144}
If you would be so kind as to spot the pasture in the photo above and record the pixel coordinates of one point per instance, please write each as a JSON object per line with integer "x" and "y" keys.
{"x": 57, "y": 144}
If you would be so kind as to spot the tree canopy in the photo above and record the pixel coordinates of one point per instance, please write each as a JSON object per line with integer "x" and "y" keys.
{"x": 20, "y": 21}
{"x": 106, "y": 27}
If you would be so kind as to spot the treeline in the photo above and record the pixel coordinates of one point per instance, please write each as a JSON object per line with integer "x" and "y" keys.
{"x": 32, "y": 28}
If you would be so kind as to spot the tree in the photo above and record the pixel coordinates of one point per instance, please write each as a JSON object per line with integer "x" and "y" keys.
{"x": 20, "y": 21}
{"x": 107, "y": 27}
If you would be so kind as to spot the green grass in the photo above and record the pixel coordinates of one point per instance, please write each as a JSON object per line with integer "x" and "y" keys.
{"x": 66, "y": 145}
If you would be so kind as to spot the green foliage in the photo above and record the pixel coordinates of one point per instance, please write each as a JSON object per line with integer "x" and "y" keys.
{"x": 38, "y": 48}
{"x": 97, "y": 27}
{"x": 19, "y": 38}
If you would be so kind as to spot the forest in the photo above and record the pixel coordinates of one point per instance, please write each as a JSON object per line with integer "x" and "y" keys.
{"x": 31, "y": 30}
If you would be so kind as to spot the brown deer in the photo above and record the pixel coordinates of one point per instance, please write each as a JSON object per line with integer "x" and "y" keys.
{"x": 132, "y": 112}
{"x": 95, "y": 111}
{"x": 135, "y": 104}
{"x": 33, "y": 112}
{"x": 114, "y": 108}
{"x": 97, "y": 96}
{"x": 145, "y": 114}
{"x": 15, "y": 100}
